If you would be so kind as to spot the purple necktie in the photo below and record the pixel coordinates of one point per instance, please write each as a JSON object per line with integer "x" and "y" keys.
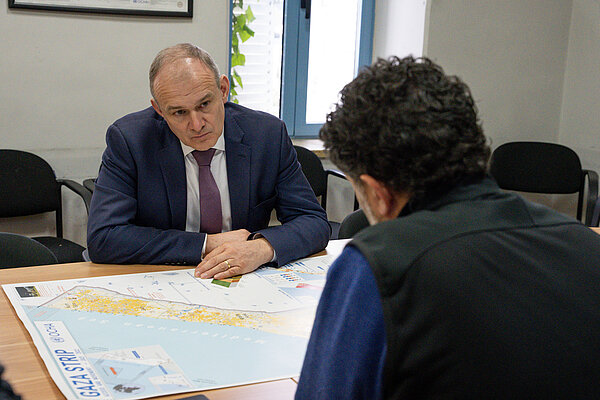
{"x": 210, "y": 199}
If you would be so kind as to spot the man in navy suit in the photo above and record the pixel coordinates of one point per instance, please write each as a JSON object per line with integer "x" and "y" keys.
{"x": 145, "y": 207}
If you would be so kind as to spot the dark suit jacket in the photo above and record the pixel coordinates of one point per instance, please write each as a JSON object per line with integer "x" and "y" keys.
{"x": 138, "y": 210}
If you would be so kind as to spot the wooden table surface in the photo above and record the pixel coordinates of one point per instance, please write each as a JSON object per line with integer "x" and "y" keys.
{"x": 26, "y": 372}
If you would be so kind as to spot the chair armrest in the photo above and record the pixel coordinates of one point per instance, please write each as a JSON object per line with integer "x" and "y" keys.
{"x": 592, "y": 177}
{"x": 90, "y": 184}
{"x": 341, "y": 175}
{"x": 596, "y": 214}
{"x": 79, "y": 189}
{"x": 334, "y": 172}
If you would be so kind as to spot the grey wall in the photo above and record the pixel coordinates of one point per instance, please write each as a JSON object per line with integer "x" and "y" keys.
{"x": 532, "y": 67}
{"x": 512, "y": 53}
{"x": 65, "y": 77}
{"x": 580, "y": 114}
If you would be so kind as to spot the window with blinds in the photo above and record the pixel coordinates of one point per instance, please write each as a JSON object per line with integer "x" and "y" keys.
{"x": 261, "y": 73}
{"x": 297, "y": 54}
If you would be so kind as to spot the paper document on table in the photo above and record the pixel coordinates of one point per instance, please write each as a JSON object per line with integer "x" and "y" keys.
{"x": 141, "y": 335}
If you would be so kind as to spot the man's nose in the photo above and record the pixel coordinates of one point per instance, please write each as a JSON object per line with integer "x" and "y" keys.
{"x": 197, "y": 120}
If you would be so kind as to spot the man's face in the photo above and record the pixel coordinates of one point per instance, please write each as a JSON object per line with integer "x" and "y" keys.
{"x": 188, "y": 98}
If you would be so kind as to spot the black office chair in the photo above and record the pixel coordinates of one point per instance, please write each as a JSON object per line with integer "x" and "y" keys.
{"x": 21, "y": 251}
{"x": 352, "y": 224}
{"x": 539, "y": 167}
{"x": 28, "y": 186}
{"x": 317, "y": 176}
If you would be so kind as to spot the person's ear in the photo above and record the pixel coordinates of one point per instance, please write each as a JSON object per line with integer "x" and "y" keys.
{"x": 383, "y": 201}
{"x": 224, "y": 87}
{"x": 378, "y": 195}
{"x": 156, "y": 107}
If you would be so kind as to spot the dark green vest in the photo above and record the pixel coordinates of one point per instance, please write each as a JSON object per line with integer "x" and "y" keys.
{"x": 481, "y": 293}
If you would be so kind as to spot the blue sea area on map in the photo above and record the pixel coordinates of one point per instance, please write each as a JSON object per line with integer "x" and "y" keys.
{"x": 209, "y": 355}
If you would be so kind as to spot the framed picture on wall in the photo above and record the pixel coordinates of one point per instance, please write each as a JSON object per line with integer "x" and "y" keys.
{"x": 164, "y": 8}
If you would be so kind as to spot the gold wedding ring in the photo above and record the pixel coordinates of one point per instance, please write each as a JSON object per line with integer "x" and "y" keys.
{"x": 227, "y": 262}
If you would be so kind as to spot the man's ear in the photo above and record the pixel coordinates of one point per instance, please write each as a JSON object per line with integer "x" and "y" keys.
{"x": 383, "y": 201}
{"x": 378, "y": 195}
{"x": 156, "y": 107}
{"x": 224, "y": 87}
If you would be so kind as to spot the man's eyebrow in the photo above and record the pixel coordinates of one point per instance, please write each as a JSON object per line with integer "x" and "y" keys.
{"x": 173, "y": 108}
{"x": 207, "y": 96}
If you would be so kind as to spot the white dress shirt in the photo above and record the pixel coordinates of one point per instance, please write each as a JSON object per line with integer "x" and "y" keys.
{"x": 218, "y": 168}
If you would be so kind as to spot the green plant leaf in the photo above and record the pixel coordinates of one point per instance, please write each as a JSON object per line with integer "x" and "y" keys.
{"x": 246, "y": 33}
{"x": 238, "y": 78}
{"x": 240, "y": 21}
{"x": 249, "y": 15}
{"x": 240, "y": 31}
{"x": 238, "y": 60}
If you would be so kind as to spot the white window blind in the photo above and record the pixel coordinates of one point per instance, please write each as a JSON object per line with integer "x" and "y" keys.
{"x": 261, "y": 75}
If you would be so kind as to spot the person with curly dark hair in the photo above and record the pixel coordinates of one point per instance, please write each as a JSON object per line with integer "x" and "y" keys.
{"x": 456, "y": 289}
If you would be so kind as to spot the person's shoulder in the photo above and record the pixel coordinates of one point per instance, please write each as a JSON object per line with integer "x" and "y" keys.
{"x": 141, "y": 126}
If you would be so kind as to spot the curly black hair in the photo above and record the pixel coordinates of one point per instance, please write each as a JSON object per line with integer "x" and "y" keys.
{"x": 408, "y": 125}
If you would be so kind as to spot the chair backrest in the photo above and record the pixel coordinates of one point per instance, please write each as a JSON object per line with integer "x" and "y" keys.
{"x": 352, "y": 224}
{"x": 537, "y": 167}
{"x": 21, "y": 251}
{"x": 28, "y": 186}
{"x": 312, "y": 167}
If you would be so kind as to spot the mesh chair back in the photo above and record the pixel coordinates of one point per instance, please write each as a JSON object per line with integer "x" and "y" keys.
{"x": 537, "y": 167}
{"x": 27, "y": 185}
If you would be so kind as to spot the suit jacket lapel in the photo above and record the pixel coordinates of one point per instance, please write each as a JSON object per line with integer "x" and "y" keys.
{"x": 238, "y": 157}
{"x": 170, "y": 158}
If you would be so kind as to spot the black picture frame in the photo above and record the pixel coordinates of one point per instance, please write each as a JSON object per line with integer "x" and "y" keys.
{"x": 181, "y": 8}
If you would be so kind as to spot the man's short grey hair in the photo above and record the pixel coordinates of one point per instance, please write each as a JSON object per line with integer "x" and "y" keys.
{"x": 177, "y": 52}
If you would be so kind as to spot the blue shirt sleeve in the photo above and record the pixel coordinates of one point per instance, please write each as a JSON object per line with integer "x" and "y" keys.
{"x": 346, "y": 351}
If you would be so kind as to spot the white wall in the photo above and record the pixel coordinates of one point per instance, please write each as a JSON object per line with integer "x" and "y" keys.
{"x": 399, "y": 27}
{"x": 64, "y": 77}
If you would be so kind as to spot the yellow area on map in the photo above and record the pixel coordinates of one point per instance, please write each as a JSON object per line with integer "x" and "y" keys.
{"x": 94, "y": 299}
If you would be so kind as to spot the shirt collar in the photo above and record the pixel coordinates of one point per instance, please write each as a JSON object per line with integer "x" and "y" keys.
{"x": 219, "y": 146}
